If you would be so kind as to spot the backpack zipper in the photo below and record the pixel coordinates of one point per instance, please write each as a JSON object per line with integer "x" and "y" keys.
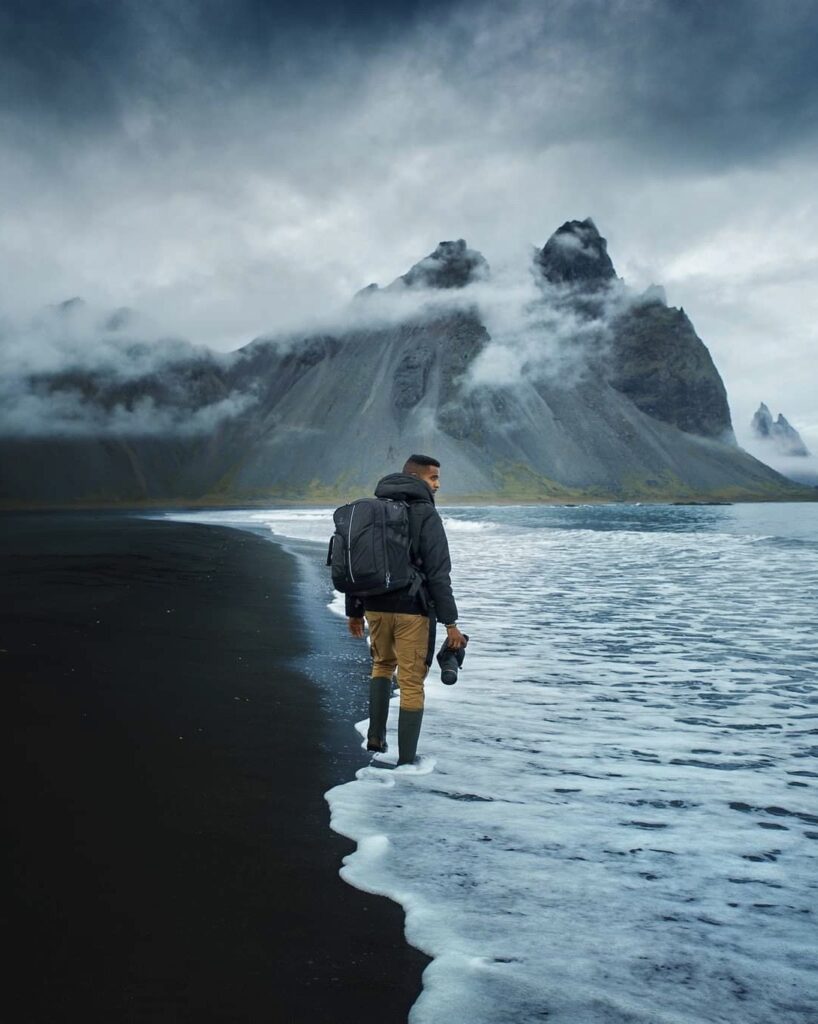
{"x": 385, "y": 547}
{"x": 349, "y": 543}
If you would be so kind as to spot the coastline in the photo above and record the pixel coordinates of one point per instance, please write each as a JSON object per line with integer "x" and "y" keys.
{"x": 172, "y": 855}
{"x": 12, "y": 507}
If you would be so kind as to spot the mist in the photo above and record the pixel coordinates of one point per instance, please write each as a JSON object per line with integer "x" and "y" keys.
{"x": 75, "y": 371}
{"x": 236, "y": 171}
{"x": 802, "y": 469}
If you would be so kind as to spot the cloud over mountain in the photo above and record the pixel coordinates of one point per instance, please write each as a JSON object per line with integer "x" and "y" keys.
{"x": 559, "y": 383}
{"x": 231, "y": 169}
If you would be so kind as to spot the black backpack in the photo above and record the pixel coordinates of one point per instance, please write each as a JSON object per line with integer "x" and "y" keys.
{"x": 370, "y": 551}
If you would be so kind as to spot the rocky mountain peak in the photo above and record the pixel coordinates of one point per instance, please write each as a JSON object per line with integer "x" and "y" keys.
{"x": 654, "y": 294}
{"x": 451, "y": 265}
{"x": 762, "y": 421}
{"x": 779, "y": 433}
{"x": 637, "y": 409}
{"x": 576, "y": 254}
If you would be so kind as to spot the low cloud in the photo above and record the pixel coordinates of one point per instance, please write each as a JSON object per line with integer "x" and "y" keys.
{"x": 544, "y": 330}
{"x": 27, "y": 412}
{"x": 803, "y": 469}
{"x": 73, "y": 371}
{"x": 239, "y": 169}
{"x": 78, "y": 371}
{"x": 73, "y": 335}
{"x": 536, "y": 329}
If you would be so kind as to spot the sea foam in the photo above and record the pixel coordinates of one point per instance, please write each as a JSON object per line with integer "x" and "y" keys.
{"x": 621, "y": 822}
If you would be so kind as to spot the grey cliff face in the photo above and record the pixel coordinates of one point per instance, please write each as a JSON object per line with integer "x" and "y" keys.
{"x": 411, "y": 377}
{"x": 577, "y": 254}
{"x": 779, "y": 433}
{"x": 322, "y": 417}
{"x": 659, "y": 362}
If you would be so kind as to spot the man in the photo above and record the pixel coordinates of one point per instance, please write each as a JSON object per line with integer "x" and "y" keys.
{"x": 402, "y": 624}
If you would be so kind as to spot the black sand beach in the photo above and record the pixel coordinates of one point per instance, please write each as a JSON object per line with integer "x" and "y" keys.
{"x": 171, "y": 853}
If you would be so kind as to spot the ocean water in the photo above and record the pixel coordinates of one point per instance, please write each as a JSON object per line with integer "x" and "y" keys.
{"x": 615, "y": 819}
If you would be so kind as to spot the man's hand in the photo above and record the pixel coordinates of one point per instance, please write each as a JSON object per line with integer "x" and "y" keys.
{"x": 454, "y": 638}
{"x": 356, "y": 627}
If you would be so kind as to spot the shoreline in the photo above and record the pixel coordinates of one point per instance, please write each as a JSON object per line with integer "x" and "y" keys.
{"x": 173, "y": 858}
{"x": 9, "y": 507}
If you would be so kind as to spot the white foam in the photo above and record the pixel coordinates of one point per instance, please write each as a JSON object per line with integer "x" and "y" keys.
{"x": 621, "y": 822}
{"x": 454, "y": 525}
{"x": 303, "y": 524}
{"x": 574, "y": 849}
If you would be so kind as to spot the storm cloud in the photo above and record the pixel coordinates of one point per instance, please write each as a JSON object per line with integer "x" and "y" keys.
{"x": 232, "y": 169}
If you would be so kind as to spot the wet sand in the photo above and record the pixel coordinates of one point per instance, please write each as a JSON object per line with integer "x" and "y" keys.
{"x": 171, "y": 858}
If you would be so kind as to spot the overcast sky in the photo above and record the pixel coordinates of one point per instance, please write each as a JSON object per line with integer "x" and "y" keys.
{"x": 230, "y": 167}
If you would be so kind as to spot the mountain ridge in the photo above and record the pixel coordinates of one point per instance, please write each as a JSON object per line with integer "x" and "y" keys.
{"x": 594, "y": 395}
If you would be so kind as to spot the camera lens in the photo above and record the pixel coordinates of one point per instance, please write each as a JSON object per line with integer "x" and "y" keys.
{"x": 448, "y": 668}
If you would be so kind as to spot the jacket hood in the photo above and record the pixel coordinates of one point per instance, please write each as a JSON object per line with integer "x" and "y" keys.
{"x": 402, "y": 487}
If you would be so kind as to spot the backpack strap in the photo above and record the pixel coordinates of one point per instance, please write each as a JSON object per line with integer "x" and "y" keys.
{"x": 418, "y": 587}
{"x": 415, "y": 526}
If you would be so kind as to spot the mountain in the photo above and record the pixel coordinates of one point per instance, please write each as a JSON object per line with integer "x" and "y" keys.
{"x": 779, "y": 434}
{"x": 576, "y": 254}
{"x": 581, "y": 391}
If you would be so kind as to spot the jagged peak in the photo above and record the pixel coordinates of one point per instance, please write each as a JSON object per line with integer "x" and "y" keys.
{"x": 780, "y": 431}
{"x": 653, "y": 295}
{"x": 762, "y": 421}
{"x": 576, "y": 254}
{"x": 452, "y": 265}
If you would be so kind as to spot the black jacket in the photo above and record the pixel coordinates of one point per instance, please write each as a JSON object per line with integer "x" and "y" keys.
{"x": 430, "y": 553}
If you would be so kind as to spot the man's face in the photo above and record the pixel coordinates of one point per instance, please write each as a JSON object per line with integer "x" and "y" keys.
{"x": 431, "y": 475}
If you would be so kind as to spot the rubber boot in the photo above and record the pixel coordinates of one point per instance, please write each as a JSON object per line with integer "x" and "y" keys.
{"x": 409, "y": 723}
{"x": 380, "y": 690}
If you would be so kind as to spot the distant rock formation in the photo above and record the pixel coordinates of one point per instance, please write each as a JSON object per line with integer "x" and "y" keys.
{"x": 630, "y": 407}
{"x": 779, "y": 433}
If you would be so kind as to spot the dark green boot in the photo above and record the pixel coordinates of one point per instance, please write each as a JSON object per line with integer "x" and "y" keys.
{"x": 409, "y": 723}
{"x": 380, "y": 690}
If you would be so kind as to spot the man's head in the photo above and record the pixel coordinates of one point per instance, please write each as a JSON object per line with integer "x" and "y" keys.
{"x": 424, "y": 467}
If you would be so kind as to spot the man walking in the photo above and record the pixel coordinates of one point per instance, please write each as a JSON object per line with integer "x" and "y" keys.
{"x": 402, "y": 623}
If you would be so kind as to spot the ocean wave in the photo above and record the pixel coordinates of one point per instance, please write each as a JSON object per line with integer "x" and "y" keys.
{"x": 612, "y": 823}
{"x": 451, "y": 523}
{"x": 570, "y": 855}
{"x": 793, "y": 543}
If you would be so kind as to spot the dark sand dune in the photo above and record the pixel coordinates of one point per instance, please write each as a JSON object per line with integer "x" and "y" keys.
{"x": 171, "y": 855}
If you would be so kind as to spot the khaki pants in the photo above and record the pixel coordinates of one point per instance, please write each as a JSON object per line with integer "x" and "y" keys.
{"x": 401, "y": 641}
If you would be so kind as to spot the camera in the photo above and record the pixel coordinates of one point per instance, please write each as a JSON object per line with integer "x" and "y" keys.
{"x": 450, "y": 661}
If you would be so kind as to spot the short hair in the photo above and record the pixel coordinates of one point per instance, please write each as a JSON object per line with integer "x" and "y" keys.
{"x": 416, "y": 462}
